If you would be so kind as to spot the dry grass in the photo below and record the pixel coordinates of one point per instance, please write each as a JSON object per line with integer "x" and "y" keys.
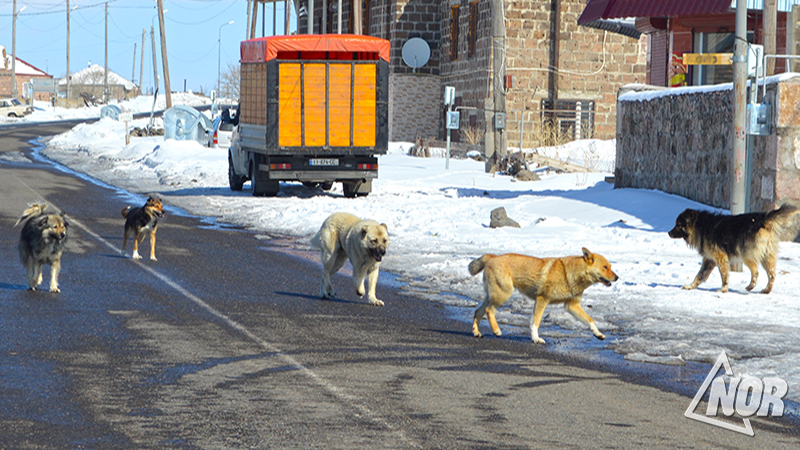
{"x": 471, "y": 135}
{"x": 549, "y": 134}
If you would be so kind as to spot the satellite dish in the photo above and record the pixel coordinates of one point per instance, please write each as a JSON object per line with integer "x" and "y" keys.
{"x": 416, "y": 53}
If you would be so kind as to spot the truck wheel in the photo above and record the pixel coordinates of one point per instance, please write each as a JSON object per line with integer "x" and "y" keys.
{"x": 326, "y": 185}
{"x": 356, "y": 188}
{"x": 234, "y": 181}
{"x": 259, "y": 180}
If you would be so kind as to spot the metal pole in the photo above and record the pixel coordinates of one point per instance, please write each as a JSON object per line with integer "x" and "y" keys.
{"x": 286, "y": 18}
{"x": 155, "y": 61}
{"x": 219, "y": 58}
{"x": 105, "y": 68}
{"x": 68, "y": 75}
{"x": 141, "y": 65}
{"x": 133, "y": 69}
{"x": 14, "y": 52}
{"x": 739, "y": 157}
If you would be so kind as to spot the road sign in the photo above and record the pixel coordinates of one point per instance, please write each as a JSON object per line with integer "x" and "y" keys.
{"x": 125, "y": 117}
{"x": 707, "y": 59}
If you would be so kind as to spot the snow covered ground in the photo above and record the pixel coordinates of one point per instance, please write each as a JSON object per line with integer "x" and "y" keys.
{"x": 439, "y": 221}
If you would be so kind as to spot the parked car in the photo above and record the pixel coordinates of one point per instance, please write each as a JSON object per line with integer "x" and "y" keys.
{"x": 12, "y": 107}
{"x": 223, "y": 129}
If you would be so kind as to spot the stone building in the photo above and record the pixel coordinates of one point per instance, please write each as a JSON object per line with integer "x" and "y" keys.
{"x": 527, "y": 59}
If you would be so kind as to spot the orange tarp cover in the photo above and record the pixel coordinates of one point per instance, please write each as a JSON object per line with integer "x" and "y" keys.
{"x": 267, "y": 48}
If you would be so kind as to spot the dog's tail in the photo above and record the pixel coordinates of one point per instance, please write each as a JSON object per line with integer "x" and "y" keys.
{"x": 125, "y": 211}
{"x": 33, "y": 210}
{"x": 477, "y": 265}
{"x": 315, "y": 241}
{"x": 784, "y": 222}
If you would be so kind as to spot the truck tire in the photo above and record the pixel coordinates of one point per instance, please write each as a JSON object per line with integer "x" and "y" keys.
{"x": 260, "y": 182}
{"x": 236, "y": 182}
{"x": 357, "y": 188}
{"x": 326, "y": 185}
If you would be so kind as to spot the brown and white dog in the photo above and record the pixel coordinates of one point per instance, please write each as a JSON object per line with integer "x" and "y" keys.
{"x": 544, "y": 280}
{"x": 42, "y": 241}
{"x": 140, "y": 221}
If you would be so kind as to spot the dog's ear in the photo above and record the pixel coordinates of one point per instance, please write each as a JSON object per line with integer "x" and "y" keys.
{"x": 64, "y": 218}
{"x": 587, "y": 255}
{"x": 385, "y": 227}
{"x": 42, "y": 222}
{"x": 364, "y": 231}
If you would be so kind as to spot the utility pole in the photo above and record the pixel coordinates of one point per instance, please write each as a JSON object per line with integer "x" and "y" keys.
{"x": 68, "y": 75}
{"x": 105, "y": 71}
{"x": 133, "y": 69}
{"x": 141, "y": 65}
{"x": 739, "y": 157}
{"x": 14, "y": 51}
{"x": 770, "y": 40}
{"x": 164, "y": 63}
{"x": 498, "y": 99}
{"x": 155, "y": 61}
{"x": 286, "y": 19}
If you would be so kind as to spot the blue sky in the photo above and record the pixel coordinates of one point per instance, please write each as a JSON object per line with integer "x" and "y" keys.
{"x": 192, "y": 31}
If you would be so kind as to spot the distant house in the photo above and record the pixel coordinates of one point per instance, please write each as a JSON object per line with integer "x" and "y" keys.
{"x": 25, "y": 72}
{"x": 90, "y": 83}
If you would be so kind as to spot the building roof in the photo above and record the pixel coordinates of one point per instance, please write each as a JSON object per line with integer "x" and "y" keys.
{"x": 625, "y": 27}
{"x": 94, "y": 74}
{"x": 620, "y": 9}
{"x": 22, "y": 67}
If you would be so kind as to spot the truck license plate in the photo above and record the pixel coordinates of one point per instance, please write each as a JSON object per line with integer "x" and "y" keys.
{"x": 324, "y": 162}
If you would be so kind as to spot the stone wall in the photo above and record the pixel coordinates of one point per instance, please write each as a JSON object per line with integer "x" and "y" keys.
{"x": 680, "y": 141}
{"x": 415, "y": 106}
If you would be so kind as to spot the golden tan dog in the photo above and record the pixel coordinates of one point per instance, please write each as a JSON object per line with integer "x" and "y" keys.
{"x": 140, "y": 221}
{"x": 544, "y": 280}
{"x": 42, "y": 241}
{"x": 344, "y": 236}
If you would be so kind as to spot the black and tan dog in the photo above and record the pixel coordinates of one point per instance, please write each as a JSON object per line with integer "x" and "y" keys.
{"x": 42, "y": 241}
{"x": 140, "y": 221}
{"x": 751, "y": 238}
{"x": 544, "y": 280}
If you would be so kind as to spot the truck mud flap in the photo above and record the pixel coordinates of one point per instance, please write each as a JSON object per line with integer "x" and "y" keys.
{"x": 260, "y": 181}
{"x": 360, "y": 188}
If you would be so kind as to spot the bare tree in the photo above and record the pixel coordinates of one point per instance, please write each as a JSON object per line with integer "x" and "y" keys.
{"x": 229, "y": 84}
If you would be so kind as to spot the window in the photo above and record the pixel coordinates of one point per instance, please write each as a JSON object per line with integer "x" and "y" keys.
{"x": 473, "y": 27}
{"x": 454, "y": 33}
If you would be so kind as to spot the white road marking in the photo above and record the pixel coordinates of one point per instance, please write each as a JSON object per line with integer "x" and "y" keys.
{"x": 340, "y": 394}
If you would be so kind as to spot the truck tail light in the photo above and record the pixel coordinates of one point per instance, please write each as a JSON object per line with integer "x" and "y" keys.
{"x": 367, "y": 167}
{"x": 283, "y": 166}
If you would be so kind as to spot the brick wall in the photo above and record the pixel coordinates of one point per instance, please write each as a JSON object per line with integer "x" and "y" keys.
{"x": 593, "y": 64}
{"x": 681, "y": 142}
{"x": 415, "y": 106}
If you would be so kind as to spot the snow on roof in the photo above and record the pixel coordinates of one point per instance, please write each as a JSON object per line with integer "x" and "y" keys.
{"x": 22, "y": 67}
{"x": 94, "y": 74}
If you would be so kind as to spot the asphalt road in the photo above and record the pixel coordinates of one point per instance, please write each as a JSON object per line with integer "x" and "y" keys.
{"x": 223, "y": 343}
